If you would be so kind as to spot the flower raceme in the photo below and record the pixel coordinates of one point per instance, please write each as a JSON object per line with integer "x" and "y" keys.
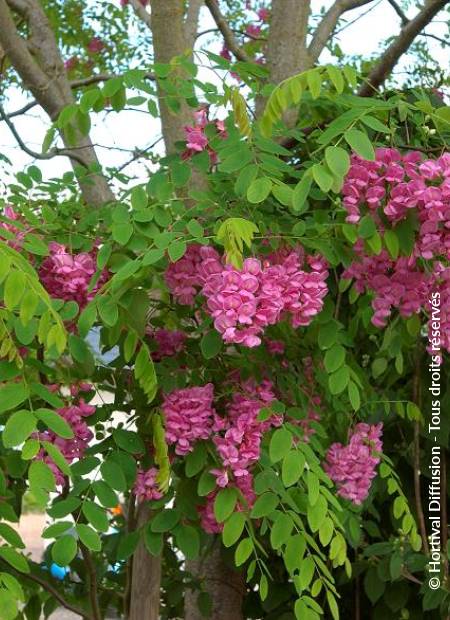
{"x": 352, "y": 467}
{"x": 146, "y": 486}
{"x": 243, "y": 302}
{"x": 67, "y": 276}
{"x": 74, "y": 414}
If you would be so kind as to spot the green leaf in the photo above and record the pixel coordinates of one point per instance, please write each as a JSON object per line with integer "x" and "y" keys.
{"x": 292, "y": 468}
{"x": 64, "y": 550}
{"x": 243, "y": 551}
{"x": 322, "y": 177}
{"x": 280, "y": 444}
{"x": 56, "y": 529}
{"x": 18, "y": 428}
{"x": 233, "y": 528}
{"x": 188, "y": 541}
{"x": 122, "y": 232}
{"x": 41, "y": 476}
{"x": 144, "y": 371}
{"x": 108, "y": 310}
{"x": 15, "y": 559}
{"x": 89, "y": 537}
{"x": 392, "y": 243}
{"x": 301, "y": 193}
{"x": 338, "y": 160}
{"x": 54, "y": 422}
{"x": 211, "y": 344}
{"x": 113, "y": 475}
{"x": 10, "y": 535}
{"x": 353, "y": 394}
{"x": 314, "y": 81}
{"x": 106, "y": 496}
{"x": 57, "y": 457}
{"x": 165, "y": 520}
{"x": 129, "y": 441}
{"x": 30, "y": 448}
{"x": 367, "y": 227}
{"x": 96, "y": 515}
{"x": 281, "y": 530}
{"x": 154, "y": 542}
{"x": 338, "y": 381}
{"x": 259, "y": 190}
{"x": 64, "y": 507}
{"x": 317, "y": 513}
{"x": 14, "y": 289}
{"x": 139, "y": 199}
{"x": 28, "y": 306}
{"x": 225, "y": 503}
{"x": 176, "y": 250}
{"x": 360, "y": 143}
{"x": 127, "y": 545}
{"x": 233, "y": 234}
{"x": 334, "y": 358}
{"x": 12, "y": 395}
{"x": 264, "y": 505}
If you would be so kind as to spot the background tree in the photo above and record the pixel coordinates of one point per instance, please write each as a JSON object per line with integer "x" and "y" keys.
{"x": 276, "y": 168}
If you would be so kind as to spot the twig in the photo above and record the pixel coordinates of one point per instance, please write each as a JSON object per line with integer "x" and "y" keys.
{"x": 57, "y": 595}
{"x": 398, "y": 9}
{"x": 101, "y": 77}
{"x": 52, "y": 153}
{"x": 20, "y": 111}
{"x": 227, "y": 33}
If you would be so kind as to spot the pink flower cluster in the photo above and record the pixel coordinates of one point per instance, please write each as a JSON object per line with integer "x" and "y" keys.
{"x": 168, "y": 342}
{"x": 244, "y": 302}
{"x": 95, "y": 45}
{"x": 196, "y": 139}
{"x": 189, "y": 416}
{"x": 146, "y": 486}
{"x": 74, "y": 414}
{"x": 238, "y": 443}
{"x": 399, "y": 184}
{"x": 67, "y": 276}
{"x": 396, "y": 283}
{"x": 352, "y": 467}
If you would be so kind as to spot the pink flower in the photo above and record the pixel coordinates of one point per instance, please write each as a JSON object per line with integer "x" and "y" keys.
{"x": 95, "y": 45}
{"x": 253, "y": 30}
{"x": 188, "y": 416}
{"x": 71, "y": 63}
{"x": 67, "y": 276}
{"x": 263, "y": 14}
{"x": 19, "y": 233}
{"x": 169, "y": 342}
{"x": 146, "y": 486}
{"x": 352, "y": 467}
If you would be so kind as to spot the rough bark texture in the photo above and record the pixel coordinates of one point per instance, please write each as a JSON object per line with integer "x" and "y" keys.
{"x": 146, "y": 578}
{"x": 225, "y": 586}
{"x": 287, "y": 52}
{"x": 169, "y": 40}
{"x": 39, "y": 64}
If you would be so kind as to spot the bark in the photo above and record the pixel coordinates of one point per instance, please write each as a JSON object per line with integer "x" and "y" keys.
{"x": 169, "y": 41}
{"x": 287, "y": 52}
{"x": 146, "y": 577}
{"x": 39, "y": 64}
{"x": 225, "y": 586}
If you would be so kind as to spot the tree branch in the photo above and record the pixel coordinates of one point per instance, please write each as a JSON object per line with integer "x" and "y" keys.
{"x": 399, "y": 46}
{"x": 227, "y": 33}
{"x": 52, "y": 153}
{"x": 28, "y": 106}
{"x": 141, "y": 12}
{"x": 101, "y": 77}
{"x": 56, "y": 594}
{"x": 398, "y": 9}
{"x": 329, "y": 22}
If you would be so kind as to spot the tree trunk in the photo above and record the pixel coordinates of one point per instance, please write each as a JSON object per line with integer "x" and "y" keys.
{"x": 225, "y": 586}
{"x": 146, "y": 577}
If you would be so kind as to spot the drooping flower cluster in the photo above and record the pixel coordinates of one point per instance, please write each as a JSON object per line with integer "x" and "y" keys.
{"x": 146, "y": 486}
{"x": 74, "y": 414}
{"x": 352, "y": 467}
{"x": 237, "y": 439}
{"x": 390, "y": 188}
{"x": 243, "y": 302}
{"x": 197, "y": 140}
{"x": 168, "y": 342}
{"x": 189, "y": 416}
{"x": 67, "y": 276}
{"x": 396, "y": 283}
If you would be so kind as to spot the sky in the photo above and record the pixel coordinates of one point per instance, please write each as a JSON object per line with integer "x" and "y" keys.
{"x": 129, "y": 130}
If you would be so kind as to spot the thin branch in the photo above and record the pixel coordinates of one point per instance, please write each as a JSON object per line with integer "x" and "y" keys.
{"x": 141, "y": 12}
{"x": 101, "y": 77}
{"x": 398, "y": 9}
{"x": 52, "y": 153}
{"x": 57, "y": 595}
{"x": 93, "y": 589}
{"x": 386, "y": 63}
{"x": 329, "y": 22}
{"x": 20, "y": 111}
{"x": 138, "y": 154}
{"x": 229, "y": 38}
{"x": 435, "y": 37}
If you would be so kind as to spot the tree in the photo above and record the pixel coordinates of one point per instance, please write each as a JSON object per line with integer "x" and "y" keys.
{"x": 271, "y": 275}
